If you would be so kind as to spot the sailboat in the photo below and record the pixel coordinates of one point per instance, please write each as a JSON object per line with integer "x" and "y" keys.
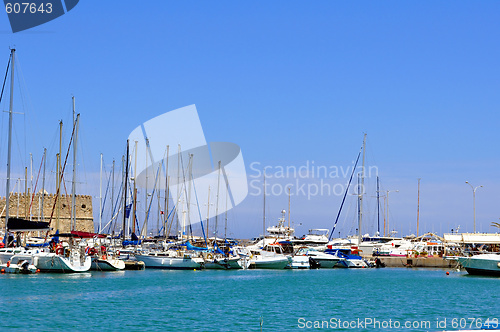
{"x": 68, "y": 258}
{"x": 265, "y": 256}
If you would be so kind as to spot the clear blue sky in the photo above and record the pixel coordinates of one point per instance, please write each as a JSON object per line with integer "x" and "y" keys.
{"x": 289, "y": 82}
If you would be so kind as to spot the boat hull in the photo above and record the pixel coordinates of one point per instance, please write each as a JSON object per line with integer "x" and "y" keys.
{"x": 51, "y": 262}
{"x": 275, "y": 263}
{"x": 300, "y": 262}
{"x": 172, "y": 263}
{"x": 223, "y": 263}
{"x": 99, "y": 264}
{"x": 486, "y": 264}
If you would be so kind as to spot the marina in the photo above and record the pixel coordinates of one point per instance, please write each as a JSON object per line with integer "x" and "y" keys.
{"x": 249, "y": 166}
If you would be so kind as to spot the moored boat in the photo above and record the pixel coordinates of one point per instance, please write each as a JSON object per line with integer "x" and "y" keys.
{"x": 482, "y": 264}
{"x": 170, "y": 259}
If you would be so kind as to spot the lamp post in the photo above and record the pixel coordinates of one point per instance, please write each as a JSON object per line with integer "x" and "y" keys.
{"x": 474, "y": 201}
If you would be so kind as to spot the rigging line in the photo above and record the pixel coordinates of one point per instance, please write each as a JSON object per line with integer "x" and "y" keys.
{"x": 151, "y": 201}
{"x": 6, "y": 75}
{"x": 345, "y": 194}
{"x": 199, "y": 213}
{"x": 61, "y": 178}
{"x": 3, "y": 87}
{"x": 105, "y": 193}
{"x": 119, "y": 201}
{"x": 36, "y": 184}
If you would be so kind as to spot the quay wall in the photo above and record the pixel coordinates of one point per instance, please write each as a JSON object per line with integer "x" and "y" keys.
{"x": 435, "y": 262}
{"x": 30, "y": 206}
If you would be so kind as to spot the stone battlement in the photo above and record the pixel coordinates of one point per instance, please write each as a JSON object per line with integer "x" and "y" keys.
{"x": 30, "y": 207}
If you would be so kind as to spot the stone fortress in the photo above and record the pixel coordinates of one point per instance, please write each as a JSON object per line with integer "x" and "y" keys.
{"x": 20, "y": 207}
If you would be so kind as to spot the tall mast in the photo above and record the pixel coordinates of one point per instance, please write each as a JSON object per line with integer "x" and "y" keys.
{"x": 43, "y": 183}
{"x": 264, "y": 214}
{"x": 208, "y": 212}
{"x": 418, "y": 204}
{"x": 125, "y": 196}
{"x": 225, "y": 224}
{"x": 59, "y": 178}
{"x": 9, "y": 155}
{"x": 100, "y": 197}
{"x": 135, "y": 189}
{"x": 26, "y": 194}
{"x": 178, "y": 187}
{"x": 113, "y": 189}
{"x": 362, "y": 189}
{"x": 167, "y": 196}
{"x": 288, "y": 211}
{"x": 378, "y": 206}
{"x": 217, "y": 205}
{"x": 30, "y": 188}
{"x": 73, "y": 187}
{"x": 190, "y": 182}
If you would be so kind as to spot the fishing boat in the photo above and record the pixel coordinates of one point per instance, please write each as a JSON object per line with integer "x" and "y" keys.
{"x": 482, "y": 264}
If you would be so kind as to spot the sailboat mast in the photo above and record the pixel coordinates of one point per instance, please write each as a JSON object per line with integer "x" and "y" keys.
{"x": 288, "y": 211}
{"x": 264, "y": 214}
{"x": 59, "y": 178}
{"x": 217, "y": 206}
{"x": 100, "y": 197}
{"x": 135, "y": 190}
{"x": 113, "y": 190}
{"x": 43, "y": 183}
{"x": 208, "y": 212}
{"x": 360, "y": 219}
{"x": 125, "y": 196}
{"x": 378, "y": 206}
{"x": 73, "y": 187}
{"x": 418, "y": 204}
{"x": 165, "y": 209}
{"x": 9, "y": 149}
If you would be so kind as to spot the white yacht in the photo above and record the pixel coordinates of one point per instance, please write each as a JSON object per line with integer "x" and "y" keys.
{"x": 171, "y": 259}
{"x": 482, "y": 264}
{"x": 323, "y": 260}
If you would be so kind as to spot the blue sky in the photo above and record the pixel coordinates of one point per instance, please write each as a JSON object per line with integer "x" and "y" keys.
{"x": 289, "y": 82}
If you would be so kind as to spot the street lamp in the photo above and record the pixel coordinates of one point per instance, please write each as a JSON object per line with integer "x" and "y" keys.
{"x": 474, "y": 201}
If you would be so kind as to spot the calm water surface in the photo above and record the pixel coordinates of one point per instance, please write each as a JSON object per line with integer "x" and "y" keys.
{"x": 285, "y": 300}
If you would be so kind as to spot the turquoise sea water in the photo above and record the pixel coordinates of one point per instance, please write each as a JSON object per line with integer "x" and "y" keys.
{"x": 211, "y": 300}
